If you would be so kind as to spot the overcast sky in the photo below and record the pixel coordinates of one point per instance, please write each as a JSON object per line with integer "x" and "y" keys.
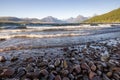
{"x": 57, "y": 8}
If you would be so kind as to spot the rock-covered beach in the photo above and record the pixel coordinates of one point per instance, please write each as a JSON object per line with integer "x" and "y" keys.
{"x": 93, "y": 56}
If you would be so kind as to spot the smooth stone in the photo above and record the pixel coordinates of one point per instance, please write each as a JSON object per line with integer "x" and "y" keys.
{"x": 44, "y": 72}
{"x": 99, "y": 72}
{"x": 51, "y": 76}
{"x": 85, "y": 66}
{"x": 51, "y": 66}
{"x": 64, "y": 72}
{"x": 92, "y": 75}
{"x": 71, "y": 76}
{"x": 77, "y": 68}
{"x": 2, "y": 59}
{"x": 105, "y": 57}
{"x": 93, "y": 67}
{"x": 65, "y": 65}
{"x": 65, "y": 78}
{"x": 58, "y": 77}
{"x": 105, "y": 77}
{"x": 42, "y": 64}
{"x": 57, "y": 62}
{"x": 109, "y": 74}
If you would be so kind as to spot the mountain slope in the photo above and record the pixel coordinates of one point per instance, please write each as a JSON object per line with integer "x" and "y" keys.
{"x": 51, "y": 19}
{"x": 77, "y": 19}
{"x": 6, "y": 19}
{"x": 110, "y": 17}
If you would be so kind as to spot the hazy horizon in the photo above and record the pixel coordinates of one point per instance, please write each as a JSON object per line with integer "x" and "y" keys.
{"x": 61, "y": 9}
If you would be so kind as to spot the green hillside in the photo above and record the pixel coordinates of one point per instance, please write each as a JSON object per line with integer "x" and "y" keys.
{"x": 110, "y": 17}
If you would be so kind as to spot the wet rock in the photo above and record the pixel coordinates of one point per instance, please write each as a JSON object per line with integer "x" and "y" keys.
{"x": 51, "y": 76}
{"x": 2, "y": 59}
{"x": 85, "y": 66}
{"x": 65, "y": 78}
{"x": 105, "y": 77}
{"x": 44, "y": 72}
{"x": 58, "y": 77}
{"x": 65, "y": 65}
{"x": 93, "y": 67}
{"x": 85, "y": 77}
{"x": 29, "y": 68}
{"x": 30, "y": 59}
{"x": 44, "y": 63}
{"x": 77, "y": 69}
{"x": 71, "y": 76}
{"x": 109, "y": 74}
{"x": 105, "y": 57}
{"x": 104, "y": 64}
{"x": 7, "y": 72}
{"x": 20, "y": 72}
{"x": 14, "y": 58}
{"x": 32, "y": 75}
{"x": 116, "y": 76}
{"x": 64, "y": 72}
{"x": 51, "y": 66}
{"x": 57, "y": 62}
{"x": 116, "y": 69}
{"x": 92, "y": 75}
{"x": 99, "y": 72}
{"x": 96, "y": 78}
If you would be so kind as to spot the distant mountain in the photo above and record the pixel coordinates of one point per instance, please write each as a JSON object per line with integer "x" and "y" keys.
{"x": 48, "y": 19}
{"x": 110, "y": 17}
{"x": 77, "y": 19}
{"x": 51, "y": 19}
{"x": 9, "y": 19}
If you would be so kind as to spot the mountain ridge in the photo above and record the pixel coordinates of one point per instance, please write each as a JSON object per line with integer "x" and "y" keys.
{"x": 110, "y": 17}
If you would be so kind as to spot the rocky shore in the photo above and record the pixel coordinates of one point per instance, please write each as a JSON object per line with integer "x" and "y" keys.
{"x": 89, "y": 61}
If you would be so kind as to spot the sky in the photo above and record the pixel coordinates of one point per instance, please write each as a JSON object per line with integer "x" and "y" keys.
{"x": 61, "y": 9}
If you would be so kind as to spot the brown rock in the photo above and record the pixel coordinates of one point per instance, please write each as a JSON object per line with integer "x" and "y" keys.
{"x": 32, "y": 75}
{"x": 65, "y": 65}
{"x": 30, "y": 59}
{"x": 58, "y": 77}
{"x": 14, "y": 58}
{"x": 85, "y": 66}
{"x": 64, "y": 72}
{"x": 44, "y": 72}
{"x": 65, "y": 78}
{"x": 77, "y": 68}
{"x": 92, "y": 75}
{"x": 57, "y": 62}
{"x": 93, "y": 67}
{"x": 2, "y": 59}
{"x": 109, "y": 74}
{"x": 7, "y": 72}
